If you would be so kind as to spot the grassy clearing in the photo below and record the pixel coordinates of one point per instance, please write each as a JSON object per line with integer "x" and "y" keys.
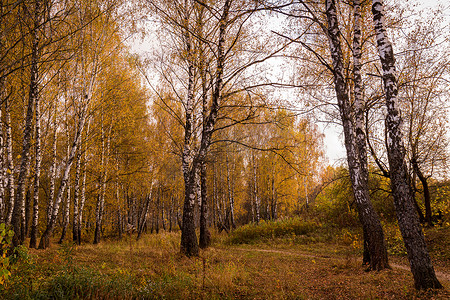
{"x": 315, "y": 263}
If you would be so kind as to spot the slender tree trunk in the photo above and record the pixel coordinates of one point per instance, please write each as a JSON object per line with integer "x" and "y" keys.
{"x": 104, "y": 162}
{"x": 98, "y": 216}
{"x": 144, "y": 214}
{"x": 255, "y": 189}
{"x": 45, "y": 239}
{"x": 354, "y": 141}
{"x": 83, "y": 188}
{"x": 215, "y": 202}
{"x": 419, "y": 259}
{"x": 179, "y": 220}
{"x": 119, "y": 222}
{"x": 37, "y": 174}
{"x": 100, "y": 197}
{"x": 51, "y": 195}
{"x": 66, "y": 216}
{"x": 10, "y": 164}
{"x": 163, "y": 216}
{"x": 426, "y": 194}
{"x": 205, "y": 236}
{"x": 230, "y": 195}
{"x": 416, "y": 204}
{"x": 156, "y": 214}
{"x": 3, "y": 96}
{"x": 76, "y": 197}
{"x": 18, "y": 218}
{"x": 28, "y": 209}
{"x": 169, "y": 213}
{"x": 119, "y": 208}
{"x": 2, "y": 152}
{"x": 274, "y": 204}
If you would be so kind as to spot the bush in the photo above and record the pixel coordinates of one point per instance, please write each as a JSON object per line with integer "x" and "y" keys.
{"x": 265, "y": 230}
{"x": 6, "y": 235}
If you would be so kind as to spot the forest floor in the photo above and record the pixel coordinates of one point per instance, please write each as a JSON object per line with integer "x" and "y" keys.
{"x": 153, "y": 268}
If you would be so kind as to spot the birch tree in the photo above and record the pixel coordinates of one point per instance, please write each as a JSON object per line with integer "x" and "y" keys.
{"x": 18, "y": 217}
{"x": 420, "y": 262}
{"x": 351, "y": 119}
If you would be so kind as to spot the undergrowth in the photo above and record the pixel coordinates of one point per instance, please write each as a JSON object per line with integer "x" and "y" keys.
{"x": 294, "y": 228}
{"x": 269, "y": 268}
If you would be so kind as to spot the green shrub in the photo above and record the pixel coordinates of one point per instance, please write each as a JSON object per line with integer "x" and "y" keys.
{"x": 265, "y": 230}
{"x": 394, "y": 239}
{"x": 6, "y": 235}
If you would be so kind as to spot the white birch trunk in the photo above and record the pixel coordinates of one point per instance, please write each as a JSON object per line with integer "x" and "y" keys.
{"x": 373, "y": 231}
{"x": 10, "y": 163}
{"x": 76, "y": 198}
{"x": 18, "y": 218}
{"x": 66, "y": 217}
{"x": 45, "y": 239}
{"x": 230, "y": 194}
{"x": 144, "y": 214}
{"x": 2, "y": 142}
{"x": 189, "y": 243}
{"x": 2, "y": 154}
{"x": 37, "y": 174}
{"x": 51, "y": 195}
{"x": 255, "y": 189}
{"x": 420, "y": 262}
{"x": 83, "y": 187}
{"x": 104, "y": 173}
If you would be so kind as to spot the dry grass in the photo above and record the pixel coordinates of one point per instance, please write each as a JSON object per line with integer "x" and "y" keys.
{"x": 152, "y": 268}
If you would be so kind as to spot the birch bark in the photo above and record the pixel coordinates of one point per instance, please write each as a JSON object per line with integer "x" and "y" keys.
{"x": 10, "y": 163}
{"x": 144, "y": 213}
{"x": 255, "y": 190}
{"x": 419, "y": 259}
{"x": 37, "y": 174}
{"x": 230, "y": 195}
{"x": 76, "y": 198}
{"x": 189, "y": 244}
{"x": 51, "y": 195}
{"x": 68, "y": 197}
{"x": 45, "y": 239}
{"x": 66, "y": 216}
{"x": 373, "y": 231}
{"x": 83, "y": 187}
{"x": 3, "y": 96}
{"x": 103, "y": 177}
{"x": 18, "y": 218}
{"x": 10, "y": 168}
{"x": 2, "y": 152}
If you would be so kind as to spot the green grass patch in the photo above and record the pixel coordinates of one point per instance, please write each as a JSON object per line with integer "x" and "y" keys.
{"x": 303, "y": 231}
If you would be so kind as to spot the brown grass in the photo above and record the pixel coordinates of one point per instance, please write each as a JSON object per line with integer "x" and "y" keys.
{"x": 273, "y": 270}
